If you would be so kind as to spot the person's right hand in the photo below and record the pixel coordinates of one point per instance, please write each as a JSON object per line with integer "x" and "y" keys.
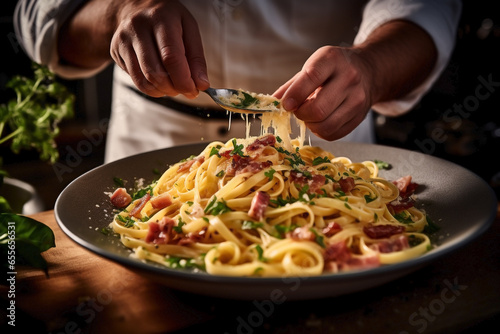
{"x": 159, "y": 45}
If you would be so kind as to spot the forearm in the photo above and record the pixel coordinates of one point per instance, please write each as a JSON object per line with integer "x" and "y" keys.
{"x": 399, "y": 56}
{"x": 84, "y": 39}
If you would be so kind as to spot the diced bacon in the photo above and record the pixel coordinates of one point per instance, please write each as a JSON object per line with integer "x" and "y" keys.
{"x": 120, "y": 198}
{"x": 315, "y": 182}
{"x": 395, "y": 243}
{"x": 161, "y": 201}
{"x": 331, "y": 229}
{"x": 254, "y": 167}
{"x": 161, "y": 232}
{"x": 337, "y": 252}
{"x": 405, "y": 199}
{"x": 136, "y": 211}
{"x": 192, "y": 238}
{"x": 383, "y": 231}
{"x": 246, "y": 165}
{"x": 405, "y": 186}
{"x": 347, "y": 184}
{"x": 226, "y": 154}
{"x": 401, "y": 204}
{"x": 187, "y": 165}
{"x": 259, "y": 204}
{"x": 402, "y": 183}
{"x": 338, "y": 257}
{"x": 302, "y": 233}
{"x": 268, "y": 140}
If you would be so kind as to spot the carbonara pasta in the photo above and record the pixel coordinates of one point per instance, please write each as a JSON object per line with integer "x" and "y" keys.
{"x": 271, "y": 206}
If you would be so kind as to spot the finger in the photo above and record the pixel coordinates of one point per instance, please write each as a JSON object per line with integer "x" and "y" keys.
{"x": 315, "y": 73}
{"x": 347, "y": 116}
{"x": 324, "y": 101}
{"x": 151, "y": 67}
{"x": 172, "y": 54}
{"x": 282, "y": 89}
{"x": 125, "y": 56}
{"x": 115, "y": 47}
{"x": 195, "y": 55}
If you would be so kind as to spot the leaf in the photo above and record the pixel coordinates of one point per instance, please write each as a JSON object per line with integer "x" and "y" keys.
{"x": 28, "y": 229}
{"x": 30, "y": 237}
{"x": 4, "y": 205}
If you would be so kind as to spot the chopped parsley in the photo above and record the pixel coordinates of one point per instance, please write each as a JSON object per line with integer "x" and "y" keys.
{"x": 118, "y": 182}
{"x": 216, "y": 207}
{"x": 215, "y": 151}
{"x": 318, "y": 238}
{"x": 403, "y": 217}
{"x": 431, "y": 227}
{"x": 237, "y": 150}
{"x": 141, "y": 192}
{"x": 369, "y": 198}
{"x": 382, "y": 164}
{"x": 246, "y": 101}
{"x": 260, "y": 253}
{"x": 251, "y": 225}
{"x": 178, "y": 227}
{"x": 180, "y": 262}
{"x": 282, "y": 230}
{"x": 319, "y": 161}
{"x": 127, "y": 221}
{"x": 270, "y": 174}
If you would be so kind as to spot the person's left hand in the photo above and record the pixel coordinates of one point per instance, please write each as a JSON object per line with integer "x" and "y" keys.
{"x": 332, "y": 93}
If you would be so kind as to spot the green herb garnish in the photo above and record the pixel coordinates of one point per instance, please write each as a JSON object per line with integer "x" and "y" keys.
{"x": 270, "y": 174}
{"x": 319, "y": 161}
{"x": 382, "y": 164}
{"x": 251, "y": 225}
{"x": 216, "y": 207}
{"x": 237, "y": 150}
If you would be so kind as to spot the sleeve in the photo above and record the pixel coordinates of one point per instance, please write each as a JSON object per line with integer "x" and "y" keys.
{"x": 438, "y": 18}
{"x": 36, "y": 25}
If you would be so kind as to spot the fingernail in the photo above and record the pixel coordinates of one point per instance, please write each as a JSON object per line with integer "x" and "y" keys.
{"x": 191, "y": 95}
{"x": 289, "y": 104}
{"x": 203, "y": 77}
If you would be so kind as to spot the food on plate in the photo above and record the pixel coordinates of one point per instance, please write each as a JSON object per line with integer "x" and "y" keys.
{"x": 271, "y": 206}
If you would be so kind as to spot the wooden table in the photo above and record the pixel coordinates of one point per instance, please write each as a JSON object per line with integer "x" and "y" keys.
{"x": 88, "y": 294}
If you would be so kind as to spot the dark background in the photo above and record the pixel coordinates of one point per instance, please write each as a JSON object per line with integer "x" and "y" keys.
{"x": 470, "y": 138}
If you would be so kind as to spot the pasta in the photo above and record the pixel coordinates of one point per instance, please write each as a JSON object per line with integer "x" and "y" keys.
{"x": 270, "y": 206}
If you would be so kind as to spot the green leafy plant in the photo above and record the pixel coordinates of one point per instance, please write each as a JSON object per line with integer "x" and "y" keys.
{"x": 30, "y": 121}
{"x": 34, "y": 115}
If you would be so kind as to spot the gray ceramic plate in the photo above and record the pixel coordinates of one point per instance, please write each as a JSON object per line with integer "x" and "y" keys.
{"x": 460, "y": 202}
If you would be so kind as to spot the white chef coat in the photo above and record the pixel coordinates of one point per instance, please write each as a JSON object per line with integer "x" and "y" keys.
{"x": 250, "y": 44}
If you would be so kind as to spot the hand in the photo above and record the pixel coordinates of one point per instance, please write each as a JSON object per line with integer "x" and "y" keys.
{"x": 159, "y": 45}
{"x": 331, "y": 93}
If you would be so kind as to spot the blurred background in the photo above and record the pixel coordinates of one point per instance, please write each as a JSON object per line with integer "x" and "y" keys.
{"x": 458, "y": 120}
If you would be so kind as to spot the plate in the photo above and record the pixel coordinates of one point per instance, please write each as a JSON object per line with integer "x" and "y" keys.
{"x": 459, "y": 201}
